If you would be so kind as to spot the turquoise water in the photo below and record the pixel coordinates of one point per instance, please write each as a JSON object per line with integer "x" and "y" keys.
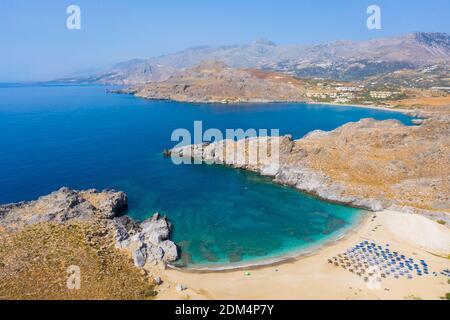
{"x": 81, "y": 137}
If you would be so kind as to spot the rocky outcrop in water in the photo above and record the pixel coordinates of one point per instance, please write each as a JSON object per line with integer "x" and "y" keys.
{"x": 148, "y": 242}
{"x": 370, "y": 164}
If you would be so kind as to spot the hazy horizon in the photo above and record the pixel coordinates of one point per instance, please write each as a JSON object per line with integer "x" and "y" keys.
{"x": 36, "y": 45}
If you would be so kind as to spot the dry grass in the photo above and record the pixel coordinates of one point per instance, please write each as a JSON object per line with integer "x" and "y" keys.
{"x": 424, "y": 102}
{"x": 34, "y": 262}
{"x": 391, "y": 161}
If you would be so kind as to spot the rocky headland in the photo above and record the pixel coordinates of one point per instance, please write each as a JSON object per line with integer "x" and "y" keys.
{"x": 147, "y": 242}
{"x": 85, "y": 228}
{"x": 370, "y": 164}
{"x": 215, "y": 82}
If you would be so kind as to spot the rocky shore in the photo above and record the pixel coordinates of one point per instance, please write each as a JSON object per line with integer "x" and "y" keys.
{"x": 215, "y": 82}
{"x": 371, "y": 164}
{"x": 147, "y": 243}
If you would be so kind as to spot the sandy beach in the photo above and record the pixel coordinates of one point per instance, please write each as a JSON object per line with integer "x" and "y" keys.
{"x": 312, "y": 277}
{"x": 367, "y": 106}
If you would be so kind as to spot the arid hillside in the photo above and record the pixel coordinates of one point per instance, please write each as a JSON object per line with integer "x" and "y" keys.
{"x": 383, "y": 160}
{"x": 216, "y": 82}
{"x": 34, "y": 263}
{"x": 42, "y": 239}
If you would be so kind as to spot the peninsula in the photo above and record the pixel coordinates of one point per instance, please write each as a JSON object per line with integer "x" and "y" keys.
{"x": 370, "y": 164}
{"x": 216, "y": 82}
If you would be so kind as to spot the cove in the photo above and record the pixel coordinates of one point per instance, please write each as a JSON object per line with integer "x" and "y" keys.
{"x": 81, "y": 137}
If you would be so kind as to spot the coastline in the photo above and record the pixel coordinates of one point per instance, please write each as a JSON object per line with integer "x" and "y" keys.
{"x": 408, "y": 112}
{"x": 265, "y": 271}
{"x": 312, "y": 277}
{"x": 264, "y": 102}
{"x": 291, "y": 256}
{"x": 412, "y": 234}
{"x": 250, "y": 102}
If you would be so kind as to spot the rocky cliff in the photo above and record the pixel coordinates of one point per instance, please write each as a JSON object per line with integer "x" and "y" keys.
{"x": 370, "y": 164}
{"x": 147, "y": 242}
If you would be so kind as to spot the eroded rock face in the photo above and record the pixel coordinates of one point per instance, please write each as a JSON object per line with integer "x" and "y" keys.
{"x": 370, "y": 164}
{"x": 64, "y": 205}
{"x": 148, "y": 241}
{"x": 262, "y": 154}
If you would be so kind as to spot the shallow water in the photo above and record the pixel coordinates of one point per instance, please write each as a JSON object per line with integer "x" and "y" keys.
{"x": 81, "y": 137}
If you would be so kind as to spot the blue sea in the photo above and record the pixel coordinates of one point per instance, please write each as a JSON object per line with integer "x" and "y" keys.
{"x": 81, "y": 137}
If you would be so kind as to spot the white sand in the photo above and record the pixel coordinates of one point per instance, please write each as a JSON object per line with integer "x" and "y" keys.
{"x": 313, "y": 277}
{"x": 419, "y": 231}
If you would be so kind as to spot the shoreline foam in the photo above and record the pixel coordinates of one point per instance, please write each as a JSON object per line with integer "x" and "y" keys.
{"x": 293, "y": 255}
{"x": 312, "y": 277}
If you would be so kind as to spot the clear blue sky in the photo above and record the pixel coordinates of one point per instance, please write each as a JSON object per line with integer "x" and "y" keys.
{"x": 36, "y": 45}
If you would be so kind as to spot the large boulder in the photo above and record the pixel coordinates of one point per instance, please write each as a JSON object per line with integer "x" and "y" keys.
{"x": 148, "y": 241}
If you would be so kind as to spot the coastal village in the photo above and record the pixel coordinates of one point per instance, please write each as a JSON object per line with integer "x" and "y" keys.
{"x": 216, "y": 82}
{"x": 344, "y": 93}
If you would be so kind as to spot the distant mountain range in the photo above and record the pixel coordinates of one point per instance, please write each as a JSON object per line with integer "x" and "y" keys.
{"x": 340, "y": 60}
